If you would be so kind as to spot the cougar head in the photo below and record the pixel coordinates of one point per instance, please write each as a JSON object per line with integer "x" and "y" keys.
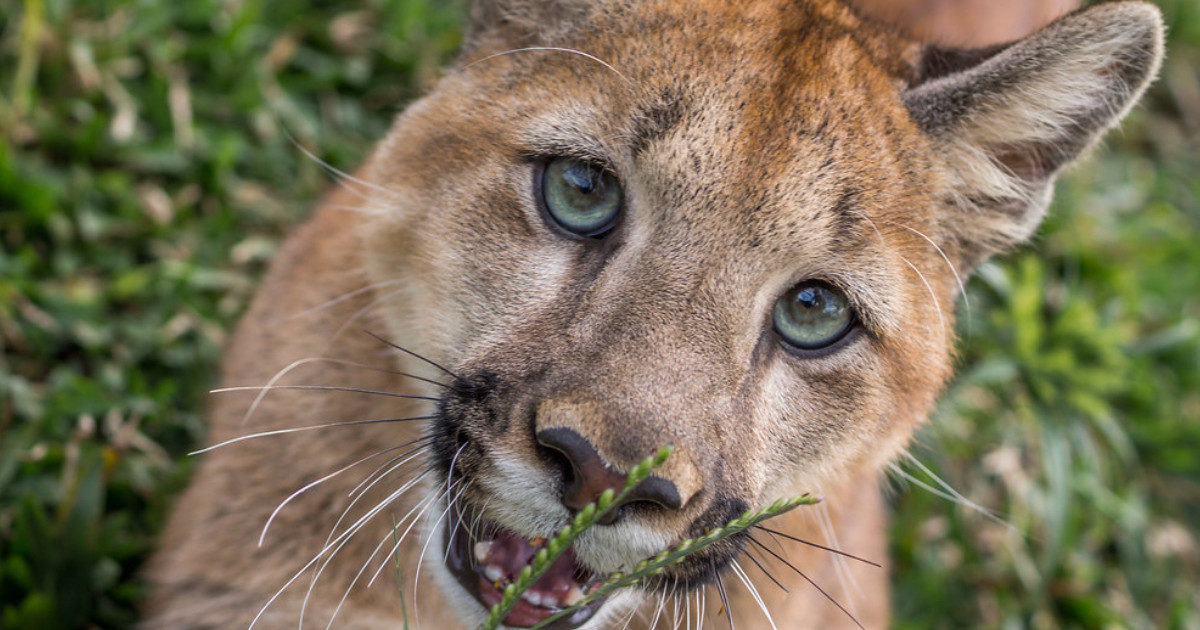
{"x": 733, "y": 228}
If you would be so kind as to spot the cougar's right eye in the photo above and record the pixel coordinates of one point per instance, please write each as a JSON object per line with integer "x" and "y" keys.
{"x": 813, "y": 315}
{"x": 580, "y": 199}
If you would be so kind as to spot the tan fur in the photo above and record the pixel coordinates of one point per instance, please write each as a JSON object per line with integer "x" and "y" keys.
{"x": 759, "y": 144}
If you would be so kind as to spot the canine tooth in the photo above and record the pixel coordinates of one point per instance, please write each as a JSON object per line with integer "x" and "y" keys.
{"x": 492, "y": 573}
{"x": 481, "y": 550}
{"x": 573, "y": 596}
{"x": 532, "y": 598}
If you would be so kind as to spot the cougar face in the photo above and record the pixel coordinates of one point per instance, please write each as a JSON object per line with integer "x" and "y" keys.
{"x": 732, "y": 230}
{"x": 738, "y": 229}
{"x": 798, "y": 176}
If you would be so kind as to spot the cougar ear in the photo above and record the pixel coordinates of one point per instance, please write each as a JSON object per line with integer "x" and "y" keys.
{"x": 522, "y": 22}
{"x": 1009, "y": 118}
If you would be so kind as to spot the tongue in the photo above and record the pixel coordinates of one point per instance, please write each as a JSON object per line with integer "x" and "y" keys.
{"x": 559, "y": 586}
{"x": 512, "y": 553}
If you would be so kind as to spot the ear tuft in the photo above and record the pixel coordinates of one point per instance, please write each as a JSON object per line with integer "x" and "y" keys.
{"x": 1009, "y": 119}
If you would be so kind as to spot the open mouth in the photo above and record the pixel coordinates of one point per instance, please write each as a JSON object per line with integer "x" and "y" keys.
{"x": 486, "y": 558}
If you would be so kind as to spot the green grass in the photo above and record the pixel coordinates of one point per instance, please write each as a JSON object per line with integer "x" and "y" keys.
{"x": 149, "y": 168}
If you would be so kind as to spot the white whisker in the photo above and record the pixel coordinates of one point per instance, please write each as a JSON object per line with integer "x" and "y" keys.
{"x": 342, "y": 174}
{"x": 404, "y": 488}
{"x": 845, "y": 577}
{"x": 549, "y": 49}
{"x": 270, "y": 384}
{"x": 658, "y": 610}
{"x": 314, "y": 427}
{"x": 349, "y": 534}
{"x": 629, "y": 618}
{"x": 407, "y": 485}
{"x": 675, "y": 617}
{"x": 450, "y": 475}
{"x": 322, "y": 388}
{"x": 371, "y": 557}
{"x": 262, "y": 536}
{"x": 948, "y": 492}
{"x": 361, "y": 570}
{"x": 357, "y": 314}
{"x": 936, "y": 304}
{"x": 305, "y": 361}
{"x": 388, "y": 465}
{"x": 424, "y": 505}
{"x": 962, "y": 289}
{"x": 337, "y": 300}
{"x": 433, "y": 534}
{"x": 479, "y": 514}
{"x": 366, "y": 517}
{"x": 741, "y": 574}
{"x": 687, "y": 612}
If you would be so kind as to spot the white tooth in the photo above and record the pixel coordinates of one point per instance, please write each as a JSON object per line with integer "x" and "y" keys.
{"x": 481, "y": 550}
{"x": 493, "y": 573}
{"x": 532, "y": 598}
{"x": 573, "y": 596}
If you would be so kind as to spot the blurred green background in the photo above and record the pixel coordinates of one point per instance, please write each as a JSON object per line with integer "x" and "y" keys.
{"x": 149, "y": 166}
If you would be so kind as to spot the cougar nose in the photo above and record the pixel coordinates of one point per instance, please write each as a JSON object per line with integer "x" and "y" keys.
{"x": 586, "y": 476}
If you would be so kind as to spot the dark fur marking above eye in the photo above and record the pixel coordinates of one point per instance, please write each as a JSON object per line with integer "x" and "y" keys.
{"x": 657, "y": 119}
{"x": 846, "y": 213}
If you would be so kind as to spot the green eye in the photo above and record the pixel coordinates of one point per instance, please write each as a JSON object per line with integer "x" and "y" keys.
{"x": 813, "y": 315}
{"x": 581, "y": 199}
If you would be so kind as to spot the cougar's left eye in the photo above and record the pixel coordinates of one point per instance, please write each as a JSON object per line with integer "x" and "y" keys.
{"x": 813, "y": 315}
{"x": 580, "y": 198}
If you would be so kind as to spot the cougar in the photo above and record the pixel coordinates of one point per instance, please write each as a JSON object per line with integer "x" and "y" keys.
{"x": 737, "y": 229}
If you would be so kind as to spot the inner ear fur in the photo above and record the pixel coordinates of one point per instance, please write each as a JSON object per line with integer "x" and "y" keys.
{"x": 1007, "y": 119}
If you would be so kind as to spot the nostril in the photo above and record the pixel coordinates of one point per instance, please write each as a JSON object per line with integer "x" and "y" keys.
{"x": 559, "y": 462}
{"x": 658, "y": 491}
{"x": 586, "y": 476}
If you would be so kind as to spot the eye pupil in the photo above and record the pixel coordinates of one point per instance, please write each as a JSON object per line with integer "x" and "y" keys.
{"x": 585, "y": 181}
{"x": 580, "y": 198}
{"x": 813, "y": 315}
{"x": 808, "y": 298}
